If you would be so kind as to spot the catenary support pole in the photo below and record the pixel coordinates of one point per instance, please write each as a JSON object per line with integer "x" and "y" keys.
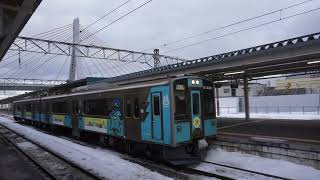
{"x": 218, "y": 106}
{"x": 156, "y": 58}
{"x": 214, "y": 103}
{"x": 246, "y": 97}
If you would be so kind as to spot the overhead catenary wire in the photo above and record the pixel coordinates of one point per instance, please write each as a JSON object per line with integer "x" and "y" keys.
{"x": 242, "y": 30}
{"x": 110, "y": 12}
{"x": 135, "y": 9}
{"x": 118, "y": 19}
{"x": 30, "y": 60}
{"x": 107, "y": 14}
{"x": 33, "y": 47}
{"x": 30, "y": 46}
{"x": 33, "y": 58}
{"x": 104, "y": 16}
{"x": 229, "y": 25}
{"x": 47, "y": 36}
{"x": 112, "y": 22}
{"x": 43, "y": 34}
{"x": 61, "y": 69}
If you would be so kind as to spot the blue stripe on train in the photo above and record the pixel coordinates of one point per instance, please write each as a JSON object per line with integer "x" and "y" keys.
{"x": 67, "y": 121}
{"x": 181, "y": 131}
{"x": 37, "y": 116}
{"x": 210, "y": 127}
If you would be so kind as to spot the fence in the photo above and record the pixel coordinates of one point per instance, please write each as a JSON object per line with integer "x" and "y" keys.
{"x": 274, "y": 109}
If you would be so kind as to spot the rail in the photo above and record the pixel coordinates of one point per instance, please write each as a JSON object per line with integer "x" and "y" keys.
{"x": 246, "y": 170}
{"x": 72, "y": 164}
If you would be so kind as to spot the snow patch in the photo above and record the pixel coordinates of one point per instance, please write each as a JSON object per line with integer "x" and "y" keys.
{"x": 26, "y": 145}
{"x": 103, "y": 162}
{"x": 255, "y": 163}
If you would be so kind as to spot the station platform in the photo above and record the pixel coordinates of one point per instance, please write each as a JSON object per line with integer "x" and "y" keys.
{"x": 14, "y": 165}
{"x": 307, "y": 131}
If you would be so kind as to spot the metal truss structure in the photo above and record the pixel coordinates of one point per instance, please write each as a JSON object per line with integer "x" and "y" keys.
{"x": 13, "y": 16}
{"x": 27, "y": 84}
{"x": 36, "y": 45}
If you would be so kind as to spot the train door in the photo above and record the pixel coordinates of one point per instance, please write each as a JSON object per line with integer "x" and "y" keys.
{"x": 196, "y": 117}
{"x": 132, "y": 120}
{"x": 74, "y": 118}
{"x": 156, "y": 122}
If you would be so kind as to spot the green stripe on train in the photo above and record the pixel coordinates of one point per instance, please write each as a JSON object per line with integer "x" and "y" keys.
{"x": 56, "y": 117}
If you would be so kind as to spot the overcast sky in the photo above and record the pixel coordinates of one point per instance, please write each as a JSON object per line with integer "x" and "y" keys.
{"x": 163, "y": 21}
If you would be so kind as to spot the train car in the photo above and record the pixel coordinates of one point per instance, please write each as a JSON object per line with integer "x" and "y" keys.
{"x": 171, "y": 117}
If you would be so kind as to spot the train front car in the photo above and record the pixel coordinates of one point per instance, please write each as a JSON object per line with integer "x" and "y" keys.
{"x": 193, "y": 119}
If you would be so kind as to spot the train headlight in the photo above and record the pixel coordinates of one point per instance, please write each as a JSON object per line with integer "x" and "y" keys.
{"x": 197, "y": 82}
{"x": 193, "y": 81}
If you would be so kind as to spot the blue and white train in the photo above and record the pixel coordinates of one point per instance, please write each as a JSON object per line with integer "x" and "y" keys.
{"x": 169, "y": 118}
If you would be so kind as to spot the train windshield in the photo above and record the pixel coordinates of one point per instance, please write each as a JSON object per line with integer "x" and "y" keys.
{"x": 196, "y": 103}
{"x": 180, "y": 98}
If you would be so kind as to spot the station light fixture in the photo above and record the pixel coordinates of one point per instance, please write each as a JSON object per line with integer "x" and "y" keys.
{"x": 313, "y": 62}
{"x": 233, "y": 73}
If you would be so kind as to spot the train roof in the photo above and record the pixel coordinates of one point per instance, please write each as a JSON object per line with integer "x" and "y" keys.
{"x": 108, "y": 88}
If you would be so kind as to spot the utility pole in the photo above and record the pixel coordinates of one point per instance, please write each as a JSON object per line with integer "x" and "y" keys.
{"x": 76, "y": 40}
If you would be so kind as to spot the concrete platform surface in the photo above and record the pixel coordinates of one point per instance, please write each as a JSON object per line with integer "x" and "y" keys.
{"x": 14, "y": 166}
{"x": 293, "y": 129}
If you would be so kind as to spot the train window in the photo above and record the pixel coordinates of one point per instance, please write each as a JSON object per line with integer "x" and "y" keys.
{"x": 60, "y": 107}
{"x": 36, "y": 107}
{"x": 208, "y": 102}
{"x": 208, "y": 98}
{"x": 18, "y": 107}
{"x": 195, "y": 104}
{"x": 136, "y": 108}
{"x": 75, "y": 107}
{"x": 109, "y": 106}
{"x": 28, "y": 107}
{"x": 180, "y": 103}
{"x": 95, "y": 107}
{"x": 156, "y": 107}
{"x": 128, "y": 107}
{"x": 46, "y": 107}
{"x": 180, "y": 99}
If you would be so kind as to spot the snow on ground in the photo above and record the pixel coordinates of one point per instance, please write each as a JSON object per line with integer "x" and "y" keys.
{"x": 105, "y": 163}
{"x": 269, "y": 166}
{"x": 292, "y": 116}
{"x": 109, "y": 164}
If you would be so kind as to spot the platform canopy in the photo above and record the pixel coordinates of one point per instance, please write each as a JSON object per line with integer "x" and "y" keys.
{"x": 14, "y": 14}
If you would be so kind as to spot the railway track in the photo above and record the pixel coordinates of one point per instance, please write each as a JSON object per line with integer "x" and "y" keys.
{"x": 51, "y": 164}
{"x": 176, "y": 172}
{"x": 246, "y": 170}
